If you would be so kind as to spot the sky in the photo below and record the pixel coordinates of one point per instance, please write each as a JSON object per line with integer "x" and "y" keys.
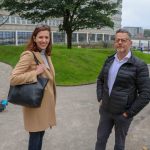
{"x": 136, "y": 13}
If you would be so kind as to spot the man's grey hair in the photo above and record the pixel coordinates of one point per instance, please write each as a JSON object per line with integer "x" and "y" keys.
{"x": 123, "y": 31}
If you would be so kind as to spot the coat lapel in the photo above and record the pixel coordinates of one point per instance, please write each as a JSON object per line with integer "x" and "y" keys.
{"x": 38, "y": 56}
{"x": 51, "y": 65}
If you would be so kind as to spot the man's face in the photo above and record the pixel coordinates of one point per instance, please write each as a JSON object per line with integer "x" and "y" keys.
{"x": 122, "y": 42}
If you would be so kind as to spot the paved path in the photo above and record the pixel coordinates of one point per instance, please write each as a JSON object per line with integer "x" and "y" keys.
{"x": 77, "y": 120}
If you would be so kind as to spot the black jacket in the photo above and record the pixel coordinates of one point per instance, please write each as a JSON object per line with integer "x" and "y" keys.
{"x": 131, "y": 89}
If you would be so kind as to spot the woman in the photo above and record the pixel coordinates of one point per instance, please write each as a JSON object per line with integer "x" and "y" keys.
{"x": 37, "y": 120}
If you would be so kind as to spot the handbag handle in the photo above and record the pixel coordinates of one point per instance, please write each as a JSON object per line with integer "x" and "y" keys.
{"x": 36, "y": 60}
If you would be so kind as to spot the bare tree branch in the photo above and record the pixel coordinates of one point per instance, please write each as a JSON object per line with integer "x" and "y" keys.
{"x": 4, "y": 20}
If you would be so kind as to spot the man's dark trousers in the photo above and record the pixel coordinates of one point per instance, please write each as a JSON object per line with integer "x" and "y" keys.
{"x": 107, "y": 121}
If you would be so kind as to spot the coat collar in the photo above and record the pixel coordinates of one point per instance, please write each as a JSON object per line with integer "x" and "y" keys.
{"x": 131, "y": 60}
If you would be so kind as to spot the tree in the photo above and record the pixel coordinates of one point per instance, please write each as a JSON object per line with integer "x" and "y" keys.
{"x": 3, "y": 19}
{"x": 76, "y": 14}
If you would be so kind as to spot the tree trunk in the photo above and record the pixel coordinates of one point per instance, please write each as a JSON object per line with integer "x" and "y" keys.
{"x": 69, "y": 39}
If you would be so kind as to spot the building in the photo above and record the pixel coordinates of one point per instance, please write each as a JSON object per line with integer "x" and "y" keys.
{"x": 136, "y": 32}
{"x": 17, "y": 30}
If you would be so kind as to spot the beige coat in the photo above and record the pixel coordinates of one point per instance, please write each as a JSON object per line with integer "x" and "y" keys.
{"x": 36, "y": 119}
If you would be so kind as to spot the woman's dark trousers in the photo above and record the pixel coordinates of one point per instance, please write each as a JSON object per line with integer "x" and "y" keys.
{"x": 35, "y": 140}
{"x": 107, "y": 121}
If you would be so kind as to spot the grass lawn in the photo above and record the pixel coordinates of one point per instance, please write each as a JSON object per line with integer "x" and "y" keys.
{"x": 73, "y": 66}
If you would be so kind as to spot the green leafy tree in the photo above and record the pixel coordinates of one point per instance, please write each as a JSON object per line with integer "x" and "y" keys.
{"x": 76, "y": 14}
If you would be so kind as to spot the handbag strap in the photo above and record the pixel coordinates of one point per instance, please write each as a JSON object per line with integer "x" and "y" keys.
{"x": 36, "y": 60}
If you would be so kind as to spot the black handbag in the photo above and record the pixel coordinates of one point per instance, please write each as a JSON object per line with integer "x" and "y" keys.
{"x": 29, "y": 95}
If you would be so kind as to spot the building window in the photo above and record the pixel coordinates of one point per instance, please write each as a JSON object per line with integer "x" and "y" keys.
{"x": 1, "y": 19}
{"x": 112, "y": 37}
{"x": 7, "y": 38}
{"x": 18, "y": 20}
{"x": 12, "y": 20}
{"x": 59, "y": 37}
{"x": 51, "y": 22}
{"x": 99, "y": 37}
{"x": 24, "y": 21}
{"x": 55, "y": 22}
{"x": 23, "y": 37}
{"x": 82, "y": 37}
{"x": 106, "y": 37}
{"x": 74, "y": 37}
{"x": 92, "y": 37}
{"x": 29, "y": 22}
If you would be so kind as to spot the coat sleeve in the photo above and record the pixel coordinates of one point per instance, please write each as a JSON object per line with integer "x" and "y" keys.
{"x": 21, "y": 73}
{"x": 143, "y": 88}
{"x": 100, "y": 83}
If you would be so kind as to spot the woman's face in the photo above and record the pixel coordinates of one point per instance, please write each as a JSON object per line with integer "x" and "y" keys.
{"x": 42, "y": 39}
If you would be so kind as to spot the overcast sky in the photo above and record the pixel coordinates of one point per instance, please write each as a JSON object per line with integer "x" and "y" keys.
{"x": 136, "y": 13}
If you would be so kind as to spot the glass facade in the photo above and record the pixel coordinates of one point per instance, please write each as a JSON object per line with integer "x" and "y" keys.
{"x": 99, "y": 37}
{"x": 13, "y": 20}
{"x": 18, "y": 20}
{"x": 1, "y": 19}
{"x": 74, "y": 37}
{"x": 4, "y": 19}
{"x": 82, "y": 37}
{"x": 106, "y": 37}
{"x": 7, "y": 38}
{"x": 11, "y": 38}
{"x": 23, "y": 37}
{"x": 92, "y": 37}
{"x": 59, "y": 37}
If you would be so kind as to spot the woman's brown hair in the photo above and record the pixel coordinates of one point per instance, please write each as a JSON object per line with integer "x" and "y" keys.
{"x": 31, "y": 46}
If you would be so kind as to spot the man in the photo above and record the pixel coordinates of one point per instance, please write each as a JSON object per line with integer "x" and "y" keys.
{"x": 123, "y": 85}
